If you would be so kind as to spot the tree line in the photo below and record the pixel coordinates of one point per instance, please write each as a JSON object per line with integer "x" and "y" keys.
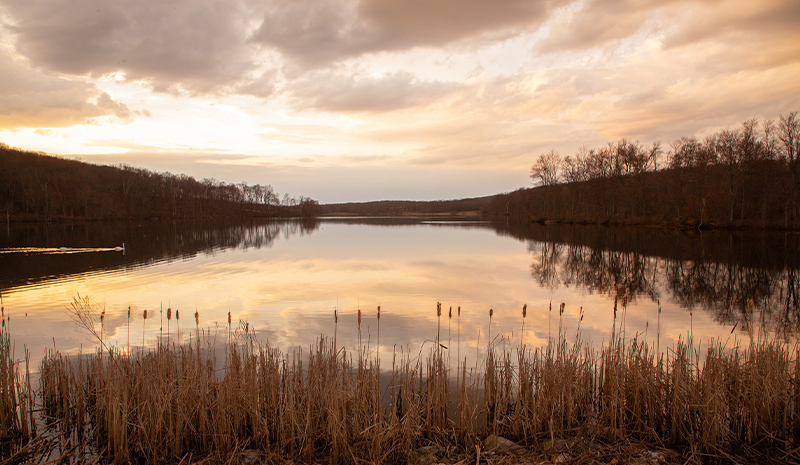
{"x": 35, "y": 186}
{"x": 738, "y": 177}
{"x": 460, "y": 207}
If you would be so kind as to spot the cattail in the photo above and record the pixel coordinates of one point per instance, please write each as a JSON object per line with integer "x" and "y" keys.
{"x": 459, "y": 310}
{"x": 229, "y": 318}
{"x": 129, "y": 312}
{"x": 359, "y": 318}
{"x": 524, "y": 310}
{"x": 491, "y": 312}
{"x": 438, "y": 309}
{"x": 144, "y": 314}
{"x": 335, "y": 316}
{"x": 177, "y": 314}
{"x": 379, "y": 312}
{"x": 169, "y": 313}
{"x": 451, "y": 313}
{"x": 197, "y": 317}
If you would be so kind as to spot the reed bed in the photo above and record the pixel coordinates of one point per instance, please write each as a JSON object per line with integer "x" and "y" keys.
{"x": 174, "y": 403}
{"x": 17, "y": 425}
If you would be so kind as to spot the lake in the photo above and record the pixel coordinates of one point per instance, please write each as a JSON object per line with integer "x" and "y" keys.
{"x": 286, "y": 279}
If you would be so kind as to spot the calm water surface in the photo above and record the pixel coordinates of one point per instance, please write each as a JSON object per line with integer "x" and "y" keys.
{"x": 286, "y": 278}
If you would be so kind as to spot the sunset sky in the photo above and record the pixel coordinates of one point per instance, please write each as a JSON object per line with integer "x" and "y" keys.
{"x": 347, "y": 100}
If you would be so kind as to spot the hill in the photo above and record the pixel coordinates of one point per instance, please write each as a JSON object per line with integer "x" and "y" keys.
{"x": 36, "y": 186}
{"x": 472, "y": 207}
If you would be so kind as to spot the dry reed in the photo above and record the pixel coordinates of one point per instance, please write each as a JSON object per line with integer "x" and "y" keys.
{"x": 17, "y": 425}
{"x": 168, "y": 403}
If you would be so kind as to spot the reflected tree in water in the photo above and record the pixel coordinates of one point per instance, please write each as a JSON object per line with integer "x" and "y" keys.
{"x": 730, "y": 279}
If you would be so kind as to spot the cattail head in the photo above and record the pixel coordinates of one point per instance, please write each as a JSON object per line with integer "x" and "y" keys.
{"x": 129, "y": 312}
{"x": 491, "y": 312}
{"x": 144, "y": 314}
{"x": 169, "y": 313}
{"x": 551, "y": 306}
{"x": 450, "y": 315}
{"x": 438, "y": 309}
{"x": 229, "y": 318}
{"x": 197, "y": 317}
{"x": 177, "y": 314}
{"x": 359, "y": 318}
{"x": 335, "y": 316}
{"x": 459, "y": 310}
{"x": 524, "y": 310}
{"x": 379, "y": 313}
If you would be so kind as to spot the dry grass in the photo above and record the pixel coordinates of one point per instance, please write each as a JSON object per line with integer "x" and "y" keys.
{"x": 173, "y": 403}
{"x": 17, "y": 426}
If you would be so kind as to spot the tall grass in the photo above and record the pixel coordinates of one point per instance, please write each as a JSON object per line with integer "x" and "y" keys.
{"x": 17, "y": 426}
{"x": 326, "y": 404}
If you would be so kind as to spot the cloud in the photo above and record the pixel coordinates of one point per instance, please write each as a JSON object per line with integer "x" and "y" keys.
{"x": 31, "y": 98}
{"x": 595, "y": 23}
{"x": 340, "y": 92}
{"x": 766, "y": 20}
{"x": 598, "y": 22}
{"x": 181, "y": 45}
{"x": 314, "y": 33}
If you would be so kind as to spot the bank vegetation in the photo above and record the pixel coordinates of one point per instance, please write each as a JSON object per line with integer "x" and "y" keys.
{"x": 745, "y": 177}
{"x": 203, "y": 400}
{"x": 36, "y": 186}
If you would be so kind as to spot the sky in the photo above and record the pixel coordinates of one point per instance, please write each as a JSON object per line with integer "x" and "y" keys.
{"x": 357, "y": 100}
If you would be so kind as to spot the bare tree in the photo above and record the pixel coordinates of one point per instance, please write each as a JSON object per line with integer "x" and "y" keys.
{"x": 545, "y": 171}
{"x": 789, "y": 135}
{"x": 751, "y": 148}
{"x": 577, "y": 169}
{"x": 653, "y": 154}
{"x": 768, "y": 139}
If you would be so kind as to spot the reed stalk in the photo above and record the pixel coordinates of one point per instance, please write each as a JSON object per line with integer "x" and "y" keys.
{"x": 326, "y": 405}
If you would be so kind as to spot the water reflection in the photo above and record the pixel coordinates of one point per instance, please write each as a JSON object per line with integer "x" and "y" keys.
{"x": 739, "y": 276}
{"x": 286, "y": 278}
{"x": 146, "y": 244}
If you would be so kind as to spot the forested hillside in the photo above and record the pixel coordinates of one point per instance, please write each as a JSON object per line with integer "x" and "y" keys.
{"x": 40, "y": 187}
{"x": 743, "y": 177}
{"x": 461, "y": 207}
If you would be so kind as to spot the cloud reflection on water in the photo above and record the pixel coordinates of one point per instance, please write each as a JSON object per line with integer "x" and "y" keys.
{"x": 285, "y": 279}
